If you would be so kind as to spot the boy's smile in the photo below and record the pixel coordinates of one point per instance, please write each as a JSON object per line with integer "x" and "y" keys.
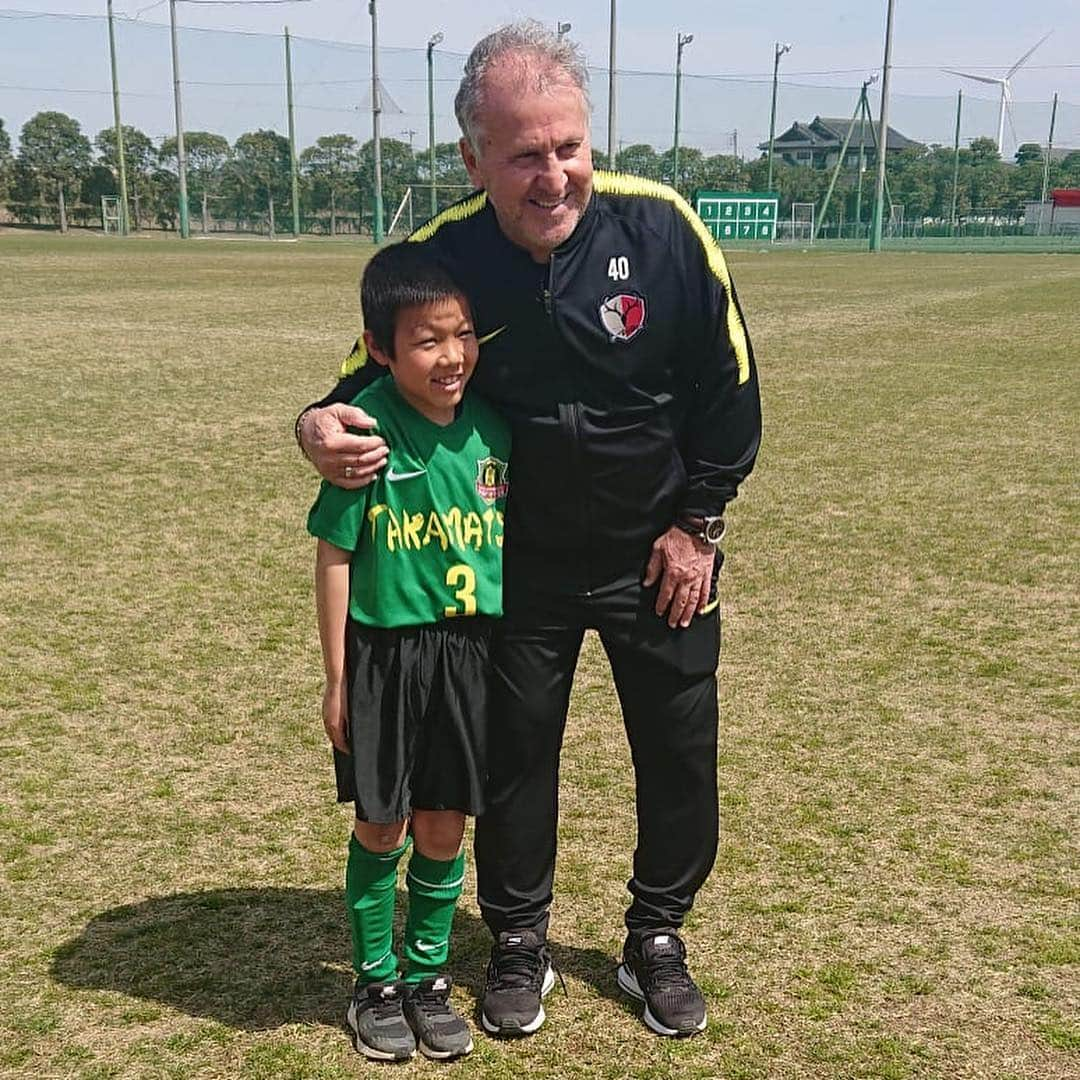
{"x": 435, "y": 352}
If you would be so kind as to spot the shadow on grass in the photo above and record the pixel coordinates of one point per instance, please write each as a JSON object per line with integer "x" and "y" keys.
{"x": 256, "y": 959}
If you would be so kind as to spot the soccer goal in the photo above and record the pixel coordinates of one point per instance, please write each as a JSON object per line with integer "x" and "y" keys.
{"x": 896, "y": 219}
{"x": 800, "y": 229}
{"x": 110, "y": 215}
{"x": 418, "y": 196}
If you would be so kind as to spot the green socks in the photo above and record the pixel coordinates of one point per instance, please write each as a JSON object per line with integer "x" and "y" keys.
{"x": 434, "y": 888}
{"x": 370, "y": 884}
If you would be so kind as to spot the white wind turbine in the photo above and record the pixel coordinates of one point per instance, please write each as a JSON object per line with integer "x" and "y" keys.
{"x": 1006, "y": 88}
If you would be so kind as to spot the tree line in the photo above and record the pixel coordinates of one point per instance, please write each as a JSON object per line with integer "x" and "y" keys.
{"x": 59, "y": 175}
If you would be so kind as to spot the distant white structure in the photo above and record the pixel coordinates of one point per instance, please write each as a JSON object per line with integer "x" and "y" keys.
{"x": 1006, "y": 87}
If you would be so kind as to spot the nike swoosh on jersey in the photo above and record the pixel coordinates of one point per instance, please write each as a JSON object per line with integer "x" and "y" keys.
{"x": 489, "y": 337}
{"x": 392, "y": 476}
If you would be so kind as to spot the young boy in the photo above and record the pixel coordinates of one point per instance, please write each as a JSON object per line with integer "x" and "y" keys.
{"x": 408, "y": 578}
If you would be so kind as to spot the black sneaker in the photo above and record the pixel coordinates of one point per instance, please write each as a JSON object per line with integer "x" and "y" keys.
{"x": 654, "y": 971}
{"x": 518, "y": 977}
{"x": 377, "y": 1022}
{"x": 440, "y": 1032}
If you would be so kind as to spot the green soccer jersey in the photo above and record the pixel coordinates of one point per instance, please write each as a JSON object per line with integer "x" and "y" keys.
{"x": 427, "y": 533}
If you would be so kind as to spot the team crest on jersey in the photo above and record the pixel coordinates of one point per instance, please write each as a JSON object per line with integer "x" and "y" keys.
{"x": 491, "y": 481}
{"x": 622, "y": 315}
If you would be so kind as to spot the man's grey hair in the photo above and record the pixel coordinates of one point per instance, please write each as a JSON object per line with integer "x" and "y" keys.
{"x": 541, "y": 54}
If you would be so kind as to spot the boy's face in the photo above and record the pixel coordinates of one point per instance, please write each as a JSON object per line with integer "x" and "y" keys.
{"x": 435, "y": 351}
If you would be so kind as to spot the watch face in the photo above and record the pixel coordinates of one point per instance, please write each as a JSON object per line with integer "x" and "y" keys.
{"x": 715, "y": 529}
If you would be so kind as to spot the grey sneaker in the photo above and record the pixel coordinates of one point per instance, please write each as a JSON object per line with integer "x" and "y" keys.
{"x": 440, "y": 1032}
{"x": 654, "y": 971}
{"x": 377, "y": 1022}
{"x": 518, "y": 977}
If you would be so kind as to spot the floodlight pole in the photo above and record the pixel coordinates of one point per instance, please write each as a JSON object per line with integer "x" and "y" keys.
{"x": 562, "y": 29}
{"x": 883, "y": 141}
{"x": 1046, "y": 163}
{"x": 124, "y": 219}
{"x": 376, "y": 109}
{"x": 181, "y": 157}
{"x": 292, "y": 138}
{"x": 611, "y": 92}
{"x": 780, "y": 50}
{"x": 434, "y": 40}
{"x": 956, "y": 163}
{"x": 682, "y": 40}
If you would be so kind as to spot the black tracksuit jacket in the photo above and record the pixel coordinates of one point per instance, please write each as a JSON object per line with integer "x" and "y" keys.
{"x": 623, "y": 367}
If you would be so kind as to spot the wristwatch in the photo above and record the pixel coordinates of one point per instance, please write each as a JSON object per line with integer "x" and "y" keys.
{"x": 709, "y": 529}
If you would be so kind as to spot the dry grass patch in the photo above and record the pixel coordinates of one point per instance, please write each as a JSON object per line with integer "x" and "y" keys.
{"x": 897, "y": 882}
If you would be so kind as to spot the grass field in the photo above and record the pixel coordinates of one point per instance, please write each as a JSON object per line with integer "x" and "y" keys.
{"x": 896, "y": 893}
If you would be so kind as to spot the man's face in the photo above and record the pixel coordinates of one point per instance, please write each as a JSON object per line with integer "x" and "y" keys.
{"x": 534, "y": 158}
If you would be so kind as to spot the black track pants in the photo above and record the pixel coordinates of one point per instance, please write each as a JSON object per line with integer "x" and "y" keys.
{"x": 666, "y": 682}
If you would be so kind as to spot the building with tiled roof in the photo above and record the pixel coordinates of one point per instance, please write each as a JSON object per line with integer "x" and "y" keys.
{"x": 818, "y": 143}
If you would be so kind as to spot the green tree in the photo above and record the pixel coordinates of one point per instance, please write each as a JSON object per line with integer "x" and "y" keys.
{"x": 7, "y": 163}
{"x": 723, "y": 171}
{"x": 331, "y": 166}
{"x": 1067, "y": 173}
{"x": 692, "y": 170}
{"x": 140, "y": 160}
{"x": 639, "y": 159}
{"x": 1028, "y": 152}
{"x": 206, "y": 155}
{"x": 261, "y": 164}
{"x": 54, "y": 150}
{"x": 984, "y": 151}
{"x": 398, "y": 172}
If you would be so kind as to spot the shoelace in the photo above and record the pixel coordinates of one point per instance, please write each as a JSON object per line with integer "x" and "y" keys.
{"x": 517, "y": 965}
{"x": 384, "y": 1008}
{"x": 433, "y": 1003}
{"x": 667, "y": 971}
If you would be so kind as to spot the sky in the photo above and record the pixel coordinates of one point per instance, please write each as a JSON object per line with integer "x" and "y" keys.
{"x": 727, "y": 68}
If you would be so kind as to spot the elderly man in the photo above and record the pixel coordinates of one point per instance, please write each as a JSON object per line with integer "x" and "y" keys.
{"x": 613, "y": 342}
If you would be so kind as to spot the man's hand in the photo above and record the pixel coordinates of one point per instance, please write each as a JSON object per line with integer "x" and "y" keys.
{"x": 683, "y": 564}
{"x": 335, "y": 716}
{"x": 346, "y": 460}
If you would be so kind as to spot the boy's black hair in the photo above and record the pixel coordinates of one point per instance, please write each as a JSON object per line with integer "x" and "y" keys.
{"x": 400, "y": 276}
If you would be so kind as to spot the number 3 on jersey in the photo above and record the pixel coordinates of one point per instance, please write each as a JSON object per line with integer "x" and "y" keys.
{"x": 462, "y": 579}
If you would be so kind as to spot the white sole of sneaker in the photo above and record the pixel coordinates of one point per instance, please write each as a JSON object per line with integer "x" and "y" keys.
{"x": 628, "y": 983}
{"x": 533, "y": 1025}
{"x": 372, "y": 1052}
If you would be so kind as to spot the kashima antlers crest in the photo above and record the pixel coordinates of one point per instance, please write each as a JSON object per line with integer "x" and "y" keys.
{"x": 622, "y": 315}
{"x": 491, "y": 481}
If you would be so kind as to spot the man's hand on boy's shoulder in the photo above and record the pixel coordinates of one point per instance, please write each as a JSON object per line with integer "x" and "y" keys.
{"x": 335, "y": 716}
{"x": 344, "y": 459}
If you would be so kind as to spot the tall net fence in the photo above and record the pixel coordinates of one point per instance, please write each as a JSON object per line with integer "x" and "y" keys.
{"x": 234, "y": 84}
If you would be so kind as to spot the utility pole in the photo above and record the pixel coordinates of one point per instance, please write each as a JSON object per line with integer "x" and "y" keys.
{"x": 292, "y": 138}
{"x": 611, "y": 93}
{"x": 864, "y": 119}
{"x": 883, "y": 140}
{"x": 124, "y": 218}
{"x": 562, "y": 29}
{"x": 956, "y": 163}
{"x": 780, "y": 50}
{"x": 681, "y": 41}
{"x": 181, "y": 157}
{"x": 1046, "y": 163}
{"x": 434, "y": 40}
{"x": 376, "y": 109}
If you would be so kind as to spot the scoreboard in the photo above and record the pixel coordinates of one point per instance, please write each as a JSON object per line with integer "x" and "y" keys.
{"x": 738, "y": 215}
